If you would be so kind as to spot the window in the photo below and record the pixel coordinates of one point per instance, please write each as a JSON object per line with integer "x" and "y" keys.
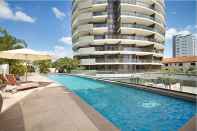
{"x": 99, "y": 37}
{"x": 193, "y": 64}
{"x": 180, "y": 64}
{"x": 166, "y": 64}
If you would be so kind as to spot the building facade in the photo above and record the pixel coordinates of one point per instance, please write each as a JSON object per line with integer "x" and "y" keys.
{"x": 184, "y": 45}
{"x": 184, "y": 62}
{"x": 119, "y": 35}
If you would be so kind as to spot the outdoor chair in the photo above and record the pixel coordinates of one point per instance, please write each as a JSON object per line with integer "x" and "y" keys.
{"x": 13, "y": 84}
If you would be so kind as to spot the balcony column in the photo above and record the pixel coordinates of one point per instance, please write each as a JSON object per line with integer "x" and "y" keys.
{"x": 89, "y": 63}
{"x": 137, "y": 58}
{"x": 105, "y": 66}
{"x": 119, "y": 58}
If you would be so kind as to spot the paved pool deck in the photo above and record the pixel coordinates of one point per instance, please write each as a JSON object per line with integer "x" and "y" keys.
{"x": 53, "y": 108}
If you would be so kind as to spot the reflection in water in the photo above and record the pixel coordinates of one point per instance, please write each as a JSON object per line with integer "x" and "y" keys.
{"x": 150, "y": 104}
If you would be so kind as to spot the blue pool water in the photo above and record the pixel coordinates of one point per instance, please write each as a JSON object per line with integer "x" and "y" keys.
{"x": 130, "y": 109}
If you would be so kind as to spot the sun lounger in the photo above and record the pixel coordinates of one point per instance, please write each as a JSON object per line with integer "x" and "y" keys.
{"x": 27, "y": 86}
{"x": 10, "y": 79}
{"x": 13, "y": 85}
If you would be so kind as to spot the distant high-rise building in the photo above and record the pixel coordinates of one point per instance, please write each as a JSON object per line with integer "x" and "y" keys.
{"x": 119, "y": 35}
{"x": 184, "y": 45}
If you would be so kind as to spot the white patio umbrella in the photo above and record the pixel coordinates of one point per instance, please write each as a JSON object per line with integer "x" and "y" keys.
{"x": 24, "y": 54}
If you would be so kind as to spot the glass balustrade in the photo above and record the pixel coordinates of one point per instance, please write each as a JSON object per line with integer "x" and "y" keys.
{"x": 137, "y": 15}
{"x": 143, "y": 16}
{"x": 142, "y": 27}
{"x": 99, "y": 25}
{"x": 99, "y": 13}
{"x": 142, "y": 3}
{"x": 122, "y": 60}
{"x": 99, "y": 1}
{"x": 129, "y": 37}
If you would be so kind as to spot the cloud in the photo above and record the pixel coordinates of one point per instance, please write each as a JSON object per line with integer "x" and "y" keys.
{"x": 173, "y": 31}
{"x": 7, "y": 13}
{"x": 170, "y": 32}
{"x": 195, "y": 35}
{"x": 21, "y": 16}
{"x": 60, "y": 51}
{"x": 66, "y": 40}
{"x": 60, "y": 15}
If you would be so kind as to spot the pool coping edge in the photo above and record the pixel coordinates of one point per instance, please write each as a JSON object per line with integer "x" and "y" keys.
{"x": 101, "y": 123}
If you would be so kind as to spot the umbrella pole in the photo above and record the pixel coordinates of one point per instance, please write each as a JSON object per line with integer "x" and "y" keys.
{"x": 26, "y": 72}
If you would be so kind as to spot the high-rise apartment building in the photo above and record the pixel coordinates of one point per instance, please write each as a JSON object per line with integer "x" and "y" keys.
{"x": 184, "y": 45}
{"x": 119, "y": 35}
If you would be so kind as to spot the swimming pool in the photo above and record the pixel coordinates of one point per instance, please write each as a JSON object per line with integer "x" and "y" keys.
{"x": 130, "y": 108}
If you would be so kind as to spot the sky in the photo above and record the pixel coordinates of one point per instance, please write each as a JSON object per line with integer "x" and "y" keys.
{"x": 46, "y": 24}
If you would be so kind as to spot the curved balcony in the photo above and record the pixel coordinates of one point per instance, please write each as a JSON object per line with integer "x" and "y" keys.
{"x": 140, "y": 29}
{"x": 99, "y": 29}
{"x": 161, "y": 4}
{"x": 83, "y": 18}
{"x": 116, "y": 61}
{"x": 147, "y": 4}
{"x": 138, "y": 41}
{"x": 132, "y": 52}
{"x": 100, "y": 13}
{"x": 86, "y": 28}
{"x": 99, "y": 5}
{"x": 99, "y": 18}
{"x": 133, "y": 17}
{"x": 83, "y": 41}
{"x": 141, "y": 7}
{"x": 99, "y": 1}
{"x": 74, "y": 23}
{"x": 158, "y": 6}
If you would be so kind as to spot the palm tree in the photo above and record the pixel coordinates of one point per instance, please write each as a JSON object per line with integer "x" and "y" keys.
{"x": 9, "y": 42}
{"x": 65, "y": 63}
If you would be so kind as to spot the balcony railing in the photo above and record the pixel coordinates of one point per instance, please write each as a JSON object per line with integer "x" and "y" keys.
{"x": 129, "y": 37}
{"x": 141, "y": 3}
{"x": 142, "y": 27}
{"x": 99, "y": 13}
{"x": 99, "y": 1}
{"x": 137, "y": 15}
{"x": 125, "y": 60}
{"x": 100, "y": 25}
{"x": 141, "y": 15}
{"x": 136, "y": 49}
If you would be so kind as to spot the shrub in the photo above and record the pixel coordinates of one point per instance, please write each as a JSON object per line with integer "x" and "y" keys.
{"x": 17, "y": 69}
{"x": 1, "y": 81}
{"x": 43, "y": 65}
{"x": 30, "y": 68}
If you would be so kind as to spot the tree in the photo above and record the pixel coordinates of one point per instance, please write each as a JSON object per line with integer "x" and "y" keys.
{"x": 191, "y": 71}
{"x": 167, "y": 81}
{"x": 18, "y": 68}
{"x": 9, "y": 42}
{"x": 43, "y": 65}
{"x": 65, "y": 64}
